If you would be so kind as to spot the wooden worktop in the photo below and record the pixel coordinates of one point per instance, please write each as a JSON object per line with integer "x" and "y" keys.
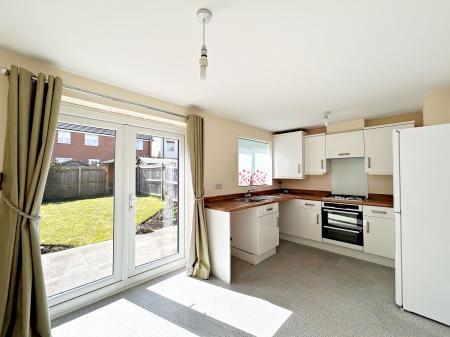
{"x": 228, "y": 203}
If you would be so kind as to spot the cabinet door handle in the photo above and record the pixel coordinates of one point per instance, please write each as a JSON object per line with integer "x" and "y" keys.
{"x": 307, "y": 204}
{"x": 379, "y": 212}
{"x": 367, "y": 227}
{"x": 299, "y": 168}
{"x": 368, "y": 162}
{"x": 278, "y": 222}
{"x": 317, "y": 218}
{"x": 321, "y": 164}
{"x": 269, "y": 209}
{"x": 344, "y": 154}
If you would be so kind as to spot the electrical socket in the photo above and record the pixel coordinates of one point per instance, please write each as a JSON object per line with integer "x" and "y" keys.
{"x": 219, "y": 186}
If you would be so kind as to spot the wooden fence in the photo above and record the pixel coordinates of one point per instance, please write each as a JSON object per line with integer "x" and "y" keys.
{"x": 158, "y": 180}
{"x": 74, "y": 182}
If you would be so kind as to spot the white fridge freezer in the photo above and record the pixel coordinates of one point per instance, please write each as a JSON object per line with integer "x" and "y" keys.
{"x": 422, "y": 220}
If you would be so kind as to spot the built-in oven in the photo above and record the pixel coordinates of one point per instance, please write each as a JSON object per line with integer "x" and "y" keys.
{"x": 342, "y": 222}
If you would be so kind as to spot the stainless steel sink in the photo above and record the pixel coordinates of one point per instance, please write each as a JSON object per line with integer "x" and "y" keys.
{"x": 258, "y": 198}
{"x": 251, "y": 199}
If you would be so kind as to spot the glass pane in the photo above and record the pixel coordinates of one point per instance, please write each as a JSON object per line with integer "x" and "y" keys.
{"x": 156, "y": 215}
{"x": 253, "y": 162}
{"x": 78, "y": 210}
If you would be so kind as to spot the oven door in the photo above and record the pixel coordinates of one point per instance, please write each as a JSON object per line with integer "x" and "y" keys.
{"x": 342, "y": 225}
{"x": 351, "y": 236}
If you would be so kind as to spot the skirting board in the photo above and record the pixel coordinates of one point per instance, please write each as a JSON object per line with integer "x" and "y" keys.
{"x": 250, "y": 258}
{"x": 341, "y": 250}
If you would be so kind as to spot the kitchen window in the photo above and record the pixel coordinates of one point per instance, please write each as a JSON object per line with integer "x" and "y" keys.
{"x": 90, "y": 139}
{"x": 254, "y": 163}
{"x": 63, "y": 137}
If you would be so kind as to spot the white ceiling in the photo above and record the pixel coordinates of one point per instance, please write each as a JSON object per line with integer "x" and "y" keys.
{"x": 273, "y": 64}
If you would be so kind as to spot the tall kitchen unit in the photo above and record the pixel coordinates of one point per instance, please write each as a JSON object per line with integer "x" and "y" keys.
{"x": 422, "y": 220}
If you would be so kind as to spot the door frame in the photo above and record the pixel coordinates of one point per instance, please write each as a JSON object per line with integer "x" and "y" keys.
{"x": 131, "y": 132}
{"x": 122, "y": 279}
{"x": 117, "y": 210}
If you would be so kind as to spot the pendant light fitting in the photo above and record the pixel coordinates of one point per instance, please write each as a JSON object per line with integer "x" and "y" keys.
{"x": 204, "y": 17}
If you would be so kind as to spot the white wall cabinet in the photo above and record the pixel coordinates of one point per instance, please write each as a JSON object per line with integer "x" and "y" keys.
{"x": 255, "y": 230}
{"x": 345, "y": 145}
{"x": 311, "y": 220}
{"x": 379, "y": 231}
{"x": 378, "y": 148}
{"x": 315, "y": 155}
{"x": 288, "y": 155}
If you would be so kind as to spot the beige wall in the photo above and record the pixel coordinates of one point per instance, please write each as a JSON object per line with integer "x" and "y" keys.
{"x": 417, "y": 117}
{"x": 318, "y": 183}
{"x": 220, "y": 134}
{"x": 221, "y": 153}
{"x": 380, "y": 184}
{"x": 436, "y": 107}
{"x": 345, "y": 126}
{"x": 8, "y": 57}
{"x": 376, "y": 184}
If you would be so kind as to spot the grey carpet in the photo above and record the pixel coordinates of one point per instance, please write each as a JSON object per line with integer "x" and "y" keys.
{"x": 329, "y": 295}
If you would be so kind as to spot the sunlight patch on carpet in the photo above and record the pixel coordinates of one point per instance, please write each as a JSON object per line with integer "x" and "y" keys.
{"x": 120, "y": 319}
{"x": 247, "y": 313}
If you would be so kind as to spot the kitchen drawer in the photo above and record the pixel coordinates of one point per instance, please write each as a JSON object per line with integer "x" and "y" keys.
{"x": 267, "y": 209}
{"x": 310, "y": 204}
{"x": 378, "y": 212}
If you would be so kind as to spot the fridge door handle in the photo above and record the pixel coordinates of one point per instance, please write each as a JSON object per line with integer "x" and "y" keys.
{"x": 397, "y": 179}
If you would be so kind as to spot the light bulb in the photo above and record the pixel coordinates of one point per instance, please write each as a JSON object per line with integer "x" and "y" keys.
{"x": 203, "y": 62}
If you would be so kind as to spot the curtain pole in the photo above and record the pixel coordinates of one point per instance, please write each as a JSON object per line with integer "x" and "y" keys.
{"x": 5, "y": 72}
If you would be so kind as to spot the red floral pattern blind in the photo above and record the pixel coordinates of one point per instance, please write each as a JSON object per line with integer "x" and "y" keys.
{"x": 254, "y": 163}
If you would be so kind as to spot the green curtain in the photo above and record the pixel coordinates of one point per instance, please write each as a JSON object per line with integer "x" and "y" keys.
{"x": 198, "y": 263}
{"x": 33, "y": 106}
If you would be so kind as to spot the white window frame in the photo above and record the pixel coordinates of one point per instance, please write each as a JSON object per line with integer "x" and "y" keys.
{"x": 61, "y": 160}
{"x": 269, "y": 158}
{"x": 92, "y": 161}
{"x": 64, "y": 137}
{"x": 139, "y": 144}
{"x": 72, "y": 300}
{"x": 91, "y": 139}
{"x": 170, "y": 142}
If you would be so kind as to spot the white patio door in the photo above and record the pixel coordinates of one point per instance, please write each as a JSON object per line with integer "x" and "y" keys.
{"x": 156, "y": 198}
{"x": 82, "y": 211}
{"x": 114, "y": 205}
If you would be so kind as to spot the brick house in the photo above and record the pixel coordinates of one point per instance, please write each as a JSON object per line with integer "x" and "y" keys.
{"x": 96, "y": 145}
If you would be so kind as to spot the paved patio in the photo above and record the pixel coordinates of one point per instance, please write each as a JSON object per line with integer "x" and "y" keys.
{"x": 74, "y": 267}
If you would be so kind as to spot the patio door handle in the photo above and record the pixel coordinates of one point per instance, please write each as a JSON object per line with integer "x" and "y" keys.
{"x": 131, "y": 202}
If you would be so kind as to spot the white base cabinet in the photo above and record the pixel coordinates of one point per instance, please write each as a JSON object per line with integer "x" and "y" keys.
{"x": 301, "y": 218}
{"x": 379, "y": 231}
{"x": 290, "y": 217}
{"x": 311, "y": 220}
{"x": 255, "y": 231}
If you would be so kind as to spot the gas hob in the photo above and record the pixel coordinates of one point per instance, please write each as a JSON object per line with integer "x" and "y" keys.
{"x": 345, "y": 197}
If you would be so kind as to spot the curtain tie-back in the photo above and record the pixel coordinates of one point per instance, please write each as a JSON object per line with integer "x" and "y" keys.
{"x": 34, "y": 218}
{"x": 198, "y": 199}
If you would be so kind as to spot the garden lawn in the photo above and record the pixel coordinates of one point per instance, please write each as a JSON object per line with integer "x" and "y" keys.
{"x": 82, "y": 222}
